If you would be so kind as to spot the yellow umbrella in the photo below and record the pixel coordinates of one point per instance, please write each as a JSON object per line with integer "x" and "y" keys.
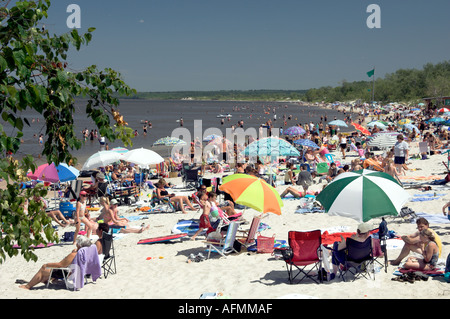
{"x": 404, "y": 121}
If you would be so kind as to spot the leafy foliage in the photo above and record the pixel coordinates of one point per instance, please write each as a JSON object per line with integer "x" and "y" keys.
{"x": 34, "y": 74}
{"x": 403, "y": 85}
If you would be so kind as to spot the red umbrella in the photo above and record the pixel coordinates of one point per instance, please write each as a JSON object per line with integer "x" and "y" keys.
{"x": 361, "y": 129}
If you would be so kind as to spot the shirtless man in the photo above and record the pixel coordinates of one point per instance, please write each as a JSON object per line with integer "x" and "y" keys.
{"x": 109, "y": 215}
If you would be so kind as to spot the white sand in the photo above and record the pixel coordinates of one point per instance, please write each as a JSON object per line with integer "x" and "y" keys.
{"x": 239, "y": 276}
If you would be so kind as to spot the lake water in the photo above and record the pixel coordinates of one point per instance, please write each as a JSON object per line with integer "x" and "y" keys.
{"x": 165, "y": 117}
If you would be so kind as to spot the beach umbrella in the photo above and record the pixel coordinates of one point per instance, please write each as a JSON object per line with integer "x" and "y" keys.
{"x": 143, "y": 157}
{"x": 404, "y": 121}
{"x": 253, "y": 192}
{"x": 436, "y": 120}
{"x": 120, "y": 150}
{"x": 271, "y": 146}
{"x": 67, "y": 173}
{"x": 378, "y": 124}
{"x": 294, "y": 131}
{"x": 363, "y": 195}
{"x": 101, "y": 159}
{"x": 361, "y": 128}
{"x": 54, "y": 174}
{"x": 338, "y": 123}
{"x": 211, "y": 137}
{"x": 411, "y": 127}
{"x": 443, "y": 110}
{"x": 382, "y": 141}
{"x": 307, "y": 143}
{"x": 169, "y": 141}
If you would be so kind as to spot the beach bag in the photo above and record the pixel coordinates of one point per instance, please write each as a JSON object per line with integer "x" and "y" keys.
{"x": 264, "y": 245}
{"x": 68, "y": 236}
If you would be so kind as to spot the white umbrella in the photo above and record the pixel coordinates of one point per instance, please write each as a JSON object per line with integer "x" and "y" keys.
{"x": 101, "y": 159}
{"x": 142, "y": 157}
{"x": 383, "y": 141}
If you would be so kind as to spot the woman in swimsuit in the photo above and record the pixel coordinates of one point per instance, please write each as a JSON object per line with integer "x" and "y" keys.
{"x": 161, "y": 192}
{"x": 430, "y": 253}
{"x": 82, "y": 216}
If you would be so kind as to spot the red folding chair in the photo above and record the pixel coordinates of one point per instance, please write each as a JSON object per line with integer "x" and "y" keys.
{"x": 306, "y": 250}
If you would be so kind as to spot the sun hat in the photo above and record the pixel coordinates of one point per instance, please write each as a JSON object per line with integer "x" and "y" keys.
{"x": 83, "y": 193}
{"x": 100, "y": 176}
{"x": 364, "y": 228}
{"x": 114, "y": 202}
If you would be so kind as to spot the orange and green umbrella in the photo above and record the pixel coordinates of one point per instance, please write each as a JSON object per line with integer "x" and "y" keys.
{"x": 253, "y": 192}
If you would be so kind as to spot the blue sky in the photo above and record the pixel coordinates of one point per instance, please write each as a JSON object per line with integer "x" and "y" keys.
{"x": 172, "y": 45}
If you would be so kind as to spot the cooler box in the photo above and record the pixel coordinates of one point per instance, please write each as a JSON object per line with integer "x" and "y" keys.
{"x": 67, "y": 209}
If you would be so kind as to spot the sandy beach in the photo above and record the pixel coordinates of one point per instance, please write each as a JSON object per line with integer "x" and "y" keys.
{"x": 167, "y": 275}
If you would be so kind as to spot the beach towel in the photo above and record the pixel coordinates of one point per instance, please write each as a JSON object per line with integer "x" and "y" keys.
{"x": 434, "y": 219}
{"x": 438, "y": 271}
{"x": 309, "y": 210}
{"x": 85, "y": 262}
{"x": 424, "y": 199}
{"x": 135, "y": 218}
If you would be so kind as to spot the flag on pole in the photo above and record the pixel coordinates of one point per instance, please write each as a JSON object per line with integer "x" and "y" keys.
{"x": 371, "y": 73}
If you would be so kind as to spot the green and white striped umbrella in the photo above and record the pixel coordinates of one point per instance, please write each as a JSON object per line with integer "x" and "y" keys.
{"x": 363, "y": 195}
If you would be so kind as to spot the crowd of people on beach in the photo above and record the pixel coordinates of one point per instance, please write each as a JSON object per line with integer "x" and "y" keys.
{"x": 292, "y": 172}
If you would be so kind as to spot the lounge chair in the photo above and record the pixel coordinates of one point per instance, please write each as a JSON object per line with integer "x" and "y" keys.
{"x": 306, "y": 250}
{"x": 191, "y": 178}
{"x": 86, "y": 262}
{"x": 358, "y": 259}
{"x": 225, "y": 245}
{"x": 249, "y": 239}
{"x": 109, "y": 258}
{"x": 162, "y": 204}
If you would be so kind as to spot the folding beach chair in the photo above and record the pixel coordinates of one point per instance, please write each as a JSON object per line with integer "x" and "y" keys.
{"x": 423, "y": 148}
{"x": 329, "y": 157}
{"x": 161, "y": 204}
{"x": 358, "y": 259}
{"x": 249, "y": 240}
{"x": 73, "y": 276}
{"x": 191, "y": 178}
{"x": 109, "y": 258}
{"x": 225, "y": 245}
{"x": 407, "y": 214}
{"x": 306, "y": 251}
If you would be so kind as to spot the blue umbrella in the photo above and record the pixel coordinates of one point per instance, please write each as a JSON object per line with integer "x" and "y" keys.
{"x": 338, "y": 123}
{"x": 306, "y": 142}
{"x": 436, "y": 120}
{"x": 271, "y": 146}
{"x": 294, "y": 130}
{"x": 67, "y": 173}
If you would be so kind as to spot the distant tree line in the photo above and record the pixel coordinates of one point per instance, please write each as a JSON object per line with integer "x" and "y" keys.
{"x": 406, "y": 85}
{"x": 248, "y": 95}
